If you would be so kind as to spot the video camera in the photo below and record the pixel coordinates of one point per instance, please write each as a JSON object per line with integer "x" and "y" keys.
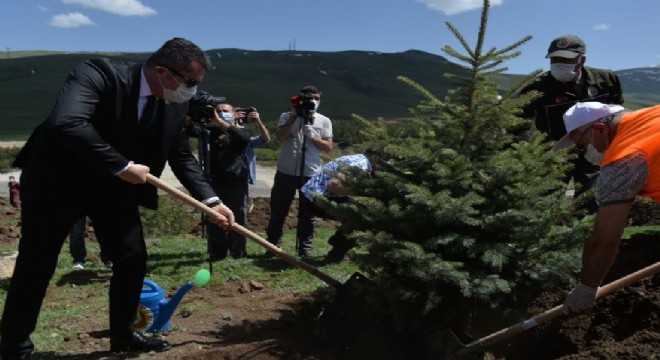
{"x": 202, "y": 105}
{"x": 303, "y": 104}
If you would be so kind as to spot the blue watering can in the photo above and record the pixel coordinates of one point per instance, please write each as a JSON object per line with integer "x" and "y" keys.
{"x": 154, "y": 311}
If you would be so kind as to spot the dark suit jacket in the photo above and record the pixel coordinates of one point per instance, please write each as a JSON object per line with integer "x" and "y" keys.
{"x": 547, "y": 110}
{"x": 92, "y": 133}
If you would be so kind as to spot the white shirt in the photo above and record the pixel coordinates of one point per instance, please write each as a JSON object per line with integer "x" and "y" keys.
{"x": 145, "y": 92}
{"x": 289, "y": 160}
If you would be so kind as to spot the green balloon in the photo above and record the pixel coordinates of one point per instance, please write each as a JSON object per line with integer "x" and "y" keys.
{"x": 202, "y": 277}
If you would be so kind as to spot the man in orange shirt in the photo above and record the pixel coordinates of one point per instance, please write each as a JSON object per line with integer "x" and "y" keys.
{"x": 626, "y": 145}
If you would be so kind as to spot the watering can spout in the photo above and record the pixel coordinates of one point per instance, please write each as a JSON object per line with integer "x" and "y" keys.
{"x": 167, "y": 307}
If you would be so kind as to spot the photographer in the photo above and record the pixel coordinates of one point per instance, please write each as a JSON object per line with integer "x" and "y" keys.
{"x": 303, "y": 133}
{"x": 231, "y": 160}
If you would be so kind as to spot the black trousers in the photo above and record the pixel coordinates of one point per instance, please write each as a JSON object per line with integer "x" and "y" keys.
{"x": 338, "y": 241}
{"x": 220, "y": 242}
{"x": 77, "y": 246}
{"x": 281, "y": 195}
{"x": 45, "y": 225}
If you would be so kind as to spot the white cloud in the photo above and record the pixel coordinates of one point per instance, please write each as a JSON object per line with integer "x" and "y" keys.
{"x": 452, "y": 7}
{"x": 602, "y": 27}
{"x": 70, "y": 20}
{"x": 117, "y": 7}
{"x": 42, "y": 8}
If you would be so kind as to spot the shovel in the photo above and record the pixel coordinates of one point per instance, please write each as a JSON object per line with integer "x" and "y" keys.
{"x": 456, "y": 350}
{"x": 243, "y": 231}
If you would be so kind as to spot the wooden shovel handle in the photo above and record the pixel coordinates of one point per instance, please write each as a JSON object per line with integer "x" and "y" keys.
{"x": 554, "y": 312}
{"x": 241, "y": 230}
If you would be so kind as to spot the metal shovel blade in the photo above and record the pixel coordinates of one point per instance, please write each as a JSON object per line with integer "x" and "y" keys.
{"x": 455, "y": 350}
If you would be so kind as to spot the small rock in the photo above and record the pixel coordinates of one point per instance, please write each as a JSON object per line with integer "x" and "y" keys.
{"x": 227, "y": 317}
{"x": 255, "y": 285}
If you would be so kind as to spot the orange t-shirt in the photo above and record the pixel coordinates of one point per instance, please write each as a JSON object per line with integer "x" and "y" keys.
{"x": 639, "y": 131}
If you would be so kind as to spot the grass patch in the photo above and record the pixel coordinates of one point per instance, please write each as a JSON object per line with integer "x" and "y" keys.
{"x": 7, "y": 156}
{"x": 632, "y": 230}
{"x": 78, "y": 296}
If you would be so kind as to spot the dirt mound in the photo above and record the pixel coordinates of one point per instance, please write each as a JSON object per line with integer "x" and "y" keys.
{"x": 258, "y": 217}
{"x": 260, "y": 214}
{"x": 10, "y": 217}
{"x": 624, "y": 325}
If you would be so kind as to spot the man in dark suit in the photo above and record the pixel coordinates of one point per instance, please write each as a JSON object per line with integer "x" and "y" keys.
{"x": 113, "y": 122}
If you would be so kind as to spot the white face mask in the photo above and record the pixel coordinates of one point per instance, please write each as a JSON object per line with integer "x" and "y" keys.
{"x": 592, "y": 154}
{"x": 228, "y": 117}
{"x": 316, "y": 103}
{"x": 563, "y": 72}
{"x": 180, "y": 95}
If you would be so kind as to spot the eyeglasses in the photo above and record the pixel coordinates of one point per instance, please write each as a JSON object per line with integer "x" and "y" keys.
{"x": 189, "y": 82}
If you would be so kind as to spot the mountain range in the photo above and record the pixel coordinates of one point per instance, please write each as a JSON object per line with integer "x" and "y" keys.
{"x": 352, "y": 82}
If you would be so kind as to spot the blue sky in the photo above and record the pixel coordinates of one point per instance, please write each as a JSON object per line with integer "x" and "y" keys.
{"x": 618, "y": 33}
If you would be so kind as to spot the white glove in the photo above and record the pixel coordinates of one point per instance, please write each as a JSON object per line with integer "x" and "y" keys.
{"x": 579, "y": 299}
{"x": 310, "y": 132}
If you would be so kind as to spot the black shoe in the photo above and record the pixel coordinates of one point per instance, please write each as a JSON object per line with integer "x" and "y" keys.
{"x": 140, "y": 343}
{"x": 336, "y": 257}
{"x": 15, "y": 356}
{"x": 22, "y": 351}
{"x": 305, "y": 253}
{"x": 217, "y": 258}
{"x": 269, "y": 254}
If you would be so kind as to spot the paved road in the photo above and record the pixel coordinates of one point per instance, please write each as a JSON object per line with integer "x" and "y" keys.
{"x": 265, "y": 176}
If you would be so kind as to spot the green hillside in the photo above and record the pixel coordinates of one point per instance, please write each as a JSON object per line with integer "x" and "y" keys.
{"x": 352, "y": 82}
{"x": 358, "y": 82}
{"x": 28, "y": 88}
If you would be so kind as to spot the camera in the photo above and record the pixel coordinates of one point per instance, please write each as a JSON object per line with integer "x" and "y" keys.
{"x": 246, "y": 111}
{"x": 202, "y": 105}
{"x": 303, "y": 104}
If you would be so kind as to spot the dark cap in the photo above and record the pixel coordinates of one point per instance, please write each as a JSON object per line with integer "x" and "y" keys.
{"x": 309, "y": 89}
{"x": 567, "y": 46}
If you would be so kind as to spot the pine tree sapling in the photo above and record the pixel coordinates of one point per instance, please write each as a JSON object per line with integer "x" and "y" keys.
{"x": 463, "y": 215}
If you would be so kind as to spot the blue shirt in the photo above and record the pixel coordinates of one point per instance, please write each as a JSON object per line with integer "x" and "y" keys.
{"x": 255, "y": 141}
{"x": 318, "y": 184}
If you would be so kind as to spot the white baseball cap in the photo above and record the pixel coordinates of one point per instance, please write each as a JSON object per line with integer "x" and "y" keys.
{"x": 581, "y": 114}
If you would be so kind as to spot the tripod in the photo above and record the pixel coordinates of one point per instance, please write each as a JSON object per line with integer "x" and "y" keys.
{"x": 204, "y": 156}
{"x": 308, "y": 120}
